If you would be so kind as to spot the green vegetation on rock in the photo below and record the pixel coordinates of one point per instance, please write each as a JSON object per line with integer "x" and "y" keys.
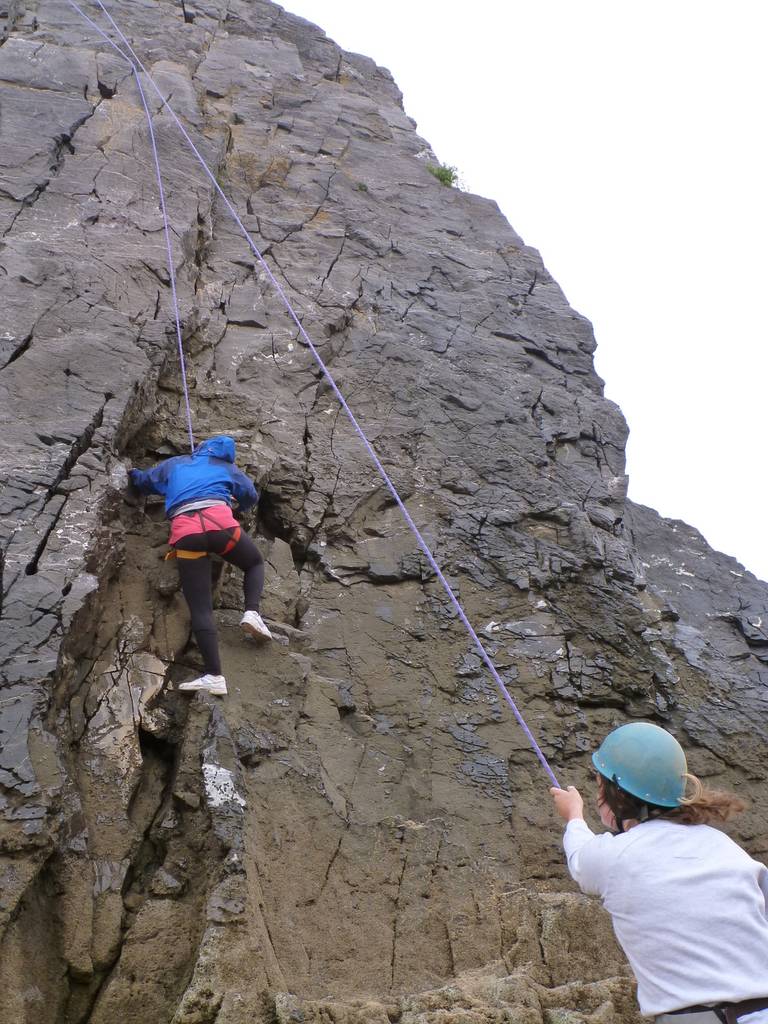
{"x": 444, "y": 173}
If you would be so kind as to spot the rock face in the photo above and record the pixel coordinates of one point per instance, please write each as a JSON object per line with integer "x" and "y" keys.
{"x": 359, "y": 832}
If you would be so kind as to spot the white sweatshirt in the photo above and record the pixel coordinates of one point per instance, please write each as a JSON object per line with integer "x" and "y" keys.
{"x": 688, "y": 907}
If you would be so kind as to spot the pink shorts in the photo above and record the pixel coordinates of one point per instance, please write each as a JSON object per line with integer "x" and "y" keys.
{"x": 216, "y": 517}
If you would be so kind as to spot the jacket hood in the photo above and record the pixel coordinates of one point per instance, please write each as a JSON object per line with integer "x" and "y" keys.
{"x": 221, "y": 447}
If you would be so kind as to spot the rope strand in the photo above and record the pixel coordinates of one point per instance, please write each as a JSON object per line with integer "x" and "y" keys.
{"x": 135, "y": 63}
{"x": 166, "y": 226}
{"x": 169, "y": 252}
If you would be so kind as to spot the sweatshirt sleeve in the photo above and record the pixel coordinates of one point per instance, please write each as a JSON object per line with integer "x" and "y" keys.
{"x": 763, "y": 882}
{"x": 150, "y": 481}
{"x": 590, "y": 857}
{"x": 243, "y": 490}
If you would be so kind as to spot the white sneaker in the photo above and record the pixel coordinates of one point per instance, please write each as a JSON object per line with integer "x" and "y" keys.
{"x": 253, "y": 624}
{"x": 210, "y": 684}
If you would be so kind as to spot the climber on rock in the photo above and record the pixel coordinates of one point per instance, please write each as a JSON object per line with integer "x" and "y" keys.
{"x": 199, "y": 491}
{"x": 688, "y": 905}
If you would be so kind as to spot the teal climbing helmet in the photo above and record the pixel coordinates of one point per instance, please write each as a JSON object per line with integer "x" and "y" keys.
{"x": 645, "y": 761}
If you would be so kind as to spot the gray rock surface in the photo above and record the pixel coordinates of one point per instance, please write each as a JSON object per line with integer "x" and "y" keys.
{"x": 360, "y": 830}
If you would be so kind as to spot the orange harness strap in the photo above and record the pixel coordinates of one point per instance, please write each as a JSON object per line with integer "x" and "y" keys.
{"x": 234, "y": 539}
{"x": 181, "y": 553}
{"x": 174, "y": 553}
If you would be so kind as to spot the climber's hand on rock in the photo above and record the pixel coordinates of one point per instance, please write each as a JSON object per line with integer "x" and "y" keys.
{"x": 568, "y": 803}
{"x": 130, "y": 492}
{"x": 119, "y": 477}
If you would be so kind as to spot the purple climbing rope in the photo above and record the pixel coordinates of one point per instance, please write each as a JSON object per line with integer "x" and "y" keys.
{"x": 166, "y": 226}
{"x": 135, "y": 63}
{"x": 171, "y": 272}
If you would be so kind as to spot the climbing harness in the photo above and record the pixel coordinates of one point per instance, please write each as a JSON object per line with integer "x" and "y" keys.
{"x": 207, "y": 523}
{"x": 136, "y": 65}
{"x": 183, "y": 553}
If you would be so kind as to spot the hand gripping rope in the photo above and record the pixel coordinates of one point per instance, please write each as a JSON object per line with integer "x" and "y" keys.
{"x": 136, "y": 65}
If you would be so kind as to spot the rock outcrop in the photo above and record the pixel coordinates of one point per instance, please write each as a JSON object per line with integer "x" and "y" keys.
{"x": 359, "y": 832}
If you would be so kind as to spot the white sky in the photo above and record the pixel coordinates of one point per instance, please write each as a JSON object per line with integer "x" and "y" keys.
{"x": 626, "y": 141}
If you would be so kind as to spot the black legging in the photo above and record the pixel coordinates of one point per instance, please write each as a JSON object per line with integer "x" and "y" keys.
{"x": 195, "y": 577}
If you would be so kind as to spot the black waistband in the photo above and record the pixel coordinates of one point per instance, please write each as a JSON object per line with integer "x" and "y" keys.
{"x": 694, "y": 1009}
{"x": 726, "y": 1012}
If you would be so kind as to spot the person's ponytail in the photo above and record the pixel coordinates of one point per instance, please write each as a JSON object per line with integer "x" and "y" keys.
{"x": 703, "y": 806}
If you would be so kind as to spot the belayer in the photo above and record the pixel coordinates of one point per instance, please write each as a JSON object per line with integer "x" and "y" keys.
{"x": 688, "y": 905}
{"x": 199, "y": 490}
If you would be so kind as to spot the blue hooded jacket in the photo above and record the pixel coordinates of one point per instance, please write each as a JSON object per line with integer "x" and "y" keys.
{"x": 210, "y": 472}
